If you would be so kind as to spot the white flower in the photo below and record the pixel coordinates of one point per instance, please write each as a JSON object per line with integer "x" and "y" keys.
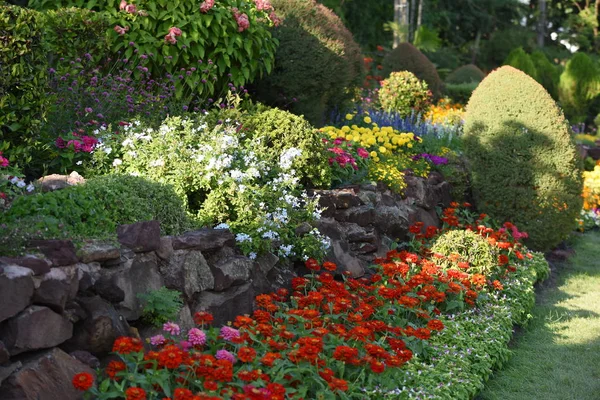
{"x": 79, "y": 162}
{"x": 107, "y": 150}
{"x": 135, "y": 173}
{"x": 157, "y": 163}
{"x": 128, "y": 143}
{"x": 270, "y": 235}
{"x": 252, "y": 256}
{"x": 21, "y": 184}
{"x": 286, "y": 250}
{"x": 30, "y": 188}
{"x": 14, "y": 180}
{"x": 132, "y": 153}
{"x": 287, "y": 157}
{"x": 117, "y": 162}
{"x": 222, "y": 226}
{"x": 243, "y": 237}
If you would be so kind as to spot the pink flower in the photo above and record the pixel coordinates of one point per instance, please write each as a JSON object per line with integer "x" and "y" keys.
{"x": 172, "y": 328}
{"x": 338, "y": 141}
{"x": 130, "y": 8}
{"x": 362, "y": 153}
{"x": 89, "y": 143}
{"x": 196, "y": 337}
{"x": 76, "y": 145}
{"x": 170, "y": 38}
{"x": 263, "y": 5}
{"x": 3, "y": 161}
{"x": 185, "y": 345}
{"x": 122, "y": 5}
{"x": 241, "y": 19}
{"x": 206, "y": 5}
{"x": 175, "y": 31}
{"x": 225, "y": 355}
{"x": 157, "y": 340}
{"x": 121, "y": 30}
{"x": 273, "y": 17}
{"x": 60, "y": 143}
{"x": 229, "y": 333}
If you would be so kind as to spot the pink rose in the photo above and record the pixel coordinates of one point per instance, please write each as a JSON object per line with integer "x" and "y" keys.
{"x": 206, "y": 5}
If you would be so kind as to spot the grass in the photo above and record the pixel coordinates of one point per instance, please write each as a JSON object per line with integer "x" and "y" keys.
{"x": 557, "y": 355}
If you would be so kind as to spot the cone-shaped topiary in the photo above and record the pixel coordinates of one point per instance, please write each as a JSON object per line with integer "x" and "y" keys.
{"x": 466, "y": 74}
{"x": 407, "y": 57}
{"x": 521, "y": 60}
{"x": 524, "y": 164}
{"x": 547, "y": 73}
{"x": 579, "y": 84}
{"x": 316, "y": 61}
{"x": 404, "y": 93}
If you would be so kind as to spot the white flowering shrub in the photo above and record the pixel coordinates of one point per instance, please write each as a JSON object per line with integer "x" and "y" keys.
{"x": 224, "y": 178}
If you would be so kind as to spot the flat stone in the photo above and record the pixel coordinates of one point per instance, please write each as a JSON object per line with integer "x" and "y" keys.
{"x": 188, "y": 272}
{"x": 16, "y": 290}
{"x": 392, "y": 221}
{"x": 59, "y": 252}
{"x": 54, "y": 182}
{"x": 35, "y": 328}
{"x": 46, "y": 376}
{"x": 356, "y": 233}
{"x": 266, "y": 262}
{"x": 86, "y": 357}
{"x": 140, "y": 237}
{"x": 231, "y": 272}
{"x": 346, "y": 198}
{"x": 107, "y": 288}
{"x": 57, "y": 287}
{"x": 204, "y": 240}
{"x": 88, "y": 274}
{"x": 98, "y": 252}
{"x": 225, "y": 306}
{"x": 4, "y": 355}
{"x": 340, "y": 255}
{"x": 165, "y": 250}
{"x": 361, "y": 215}
{"x": 330, "y": 228}
{"x": 39, "y": 266}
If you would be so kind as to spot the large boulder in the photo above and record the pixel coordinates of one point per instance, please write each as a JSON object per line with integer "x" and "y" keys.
{"x": 232, "y": 271}
{"x": 140, "y": 237}
{"x": 38, "y": 266}
{"x": 57, "y": 287}
{"x": 204, "y": 240}
{"x": 188, "y": 272}
{"x": 227, "y": 305}
{"x": 59, "y": 252}
{"x": 98, "y": 251}
{"x": 16, "y": 290}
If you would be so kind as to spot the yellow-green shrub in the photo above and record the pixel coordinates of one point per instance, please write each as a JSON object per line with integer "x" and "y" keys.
{"x": 402, "y": 92}
{"x": 579, "y": 84}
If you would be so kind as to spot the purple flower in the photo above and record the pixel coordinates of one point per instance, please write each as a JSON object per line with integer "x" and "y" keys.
{"x": 196, "y": 337}
{"x": 229, "y": 333}
{"x": 157, "y": 340}
{"x": 172, "y": 328}
{"x": 225, "y": 355}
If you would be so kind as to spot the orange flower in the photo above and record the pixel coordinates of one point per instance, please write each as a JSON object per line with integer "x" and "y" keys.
{"x": 497, "y": 285}
{"x": 246, "y": 354}
{"x": 83, "y": 381}
{"x": 435, "y": 325}
{"x": 114, "y": 367}
{"x": 126, "y": 345}
{"x": 135, "y": 393}
{"x": 503, "y": 259}
{"x": 183, "y": 394}
{"x": 338, "y": 384}
{"x": 329, "y": 266}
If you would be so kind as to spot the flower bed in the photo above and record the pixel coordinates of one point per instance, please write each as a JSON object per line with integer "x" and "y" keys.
{"x": 423, "y": 320}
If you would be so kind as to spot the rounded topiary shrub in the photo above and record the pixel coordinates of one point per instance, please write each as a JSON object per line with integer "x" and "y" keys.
{"x": 316, "y": 61}
{"x": 407, "y": 57}
{"x": 523, "y": 161}
{"x": 466, "y": 74}
{"x": 547, "y": 73}
{"x": 404, "y": 93}
{"x": 471, "y": 247}
{"x": 579, "y": 84}
{"x": 521, "y": 61}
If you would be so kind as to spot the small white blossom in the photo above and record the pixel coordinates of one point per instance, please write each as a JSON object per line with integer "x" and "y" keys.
{"x": 21, "y": 184}
{"x": 30, "y": 188}
{"x": 222, "y": 226}
{"x": 287, "y": 157}
{"x": 252, "y": 256}
{"x": 117, "y": 162}
{"x": 243, "y": 237}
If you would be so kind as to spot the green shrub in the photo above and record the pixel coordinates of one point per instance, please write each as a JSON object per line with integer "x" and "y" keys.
{"x": 160, "y": 306}
{"x": 547, "y": 73}
{"x": 495, "y": 50}
{"x": 23, "y": 80}
{"x": 214, "y": 35}
{"x": 523, "y": 160}
{"x": 93, "y": 210}
{"x": 578, "y": 86}
{"x": 74, "y": 32}
{"x": 317, "y": 60}
{"x": 520, "y": 60}
{"x": 444, "y": 59}
{"x": 407, "y": 57}
{"x": 403, "y": 92}
{"x": 466, "y": 74}
{"x": 471, "y": 247}
{"x": 460, "y": 92}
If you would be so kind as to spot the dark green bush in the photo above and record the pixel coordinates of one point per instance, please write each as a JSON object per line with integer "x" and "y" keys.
{"x": 73, "y": 32}
{"x": 471, "y": 248}
{"x": 23, "y": 80}
{"x": 446, "y": 59}
{"x": 93, "y": 210}
{"x": 407, "y": 57}
{"x": 521, "y": 61}
{"x": 466, "y": 74}
{"x": 547, "y": 73}
{"x": 460, "y": 92}
{"x": 523, "y": 160}
{"x": 495, "y": 50}
{"x": 317, "y": 60}
{"x": 404, "y": 93}
{"x": 578, "y": 86}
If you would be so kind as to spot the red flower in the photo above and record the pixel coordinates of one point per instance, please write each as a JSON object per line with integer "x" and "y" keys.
{"x": 246, "y": 354}
{"x": 126, "y": 345}
{"x": 183, "y": 394}
{"x": 435, "y": 325}
{"x": 345, "y": 353}
{"x": 83, "y": 381}
{"x": 114, "y": 367}
{"x": 377, "y": 367}
{"x": 312, "y": 264}
{"x": 135, "y": 393}
{"x": 203, "y": 317}
{"x": 338, "y": 384}
{"x": 503, "y": 259}
{"x": 329, "y": 266}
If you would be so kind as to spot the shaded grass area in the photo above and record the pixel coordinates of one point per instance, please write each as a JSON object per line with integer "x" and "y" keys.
{"x": 557, "y": 355}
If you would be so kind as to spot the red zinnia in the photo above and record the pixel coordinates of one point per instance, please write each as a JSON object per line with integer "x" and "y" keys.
{"x": 183, "y": 394}
{"x": 246, "y": 354}
{"x": 135, "y": 393}
{"x": 312, "y": 264}
{"x": 114, "y": 367}
{"x": 83, "y": 381}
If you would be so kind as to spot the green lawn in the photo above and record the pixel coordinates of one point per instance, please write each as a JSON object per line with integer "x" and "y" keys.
{"x": 557, "y": 356}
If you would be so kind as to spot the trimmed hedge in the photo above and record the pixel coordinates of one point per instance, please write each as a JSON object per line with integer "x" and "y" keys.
{"x": 407, "y": 57}
{"x": 524, "y": 164}
{"x": 317, "y": 60}
{"x": 23, "y": 80}
{"x": 521, "y": 61}
{"x": 461, "y": 92}
{"x": 466, "y": 74}
{"x": 402, "y": 92}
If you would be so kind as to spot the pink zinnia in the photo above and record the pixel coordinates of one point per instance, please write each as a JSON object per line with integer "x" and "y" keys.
{"x": 3, "y": 162}
{"x": 157, "y": 340}
{"x": 121, "y": 30}
{"x": 89, "y": 143}
{"x": 206, "y": 5}
{"x": 229, "y": 333}
{"x": 362, "y": 153}
{"x": 172, "y": 328}
{"x": 225, "y": 355}
{"x": 185, "y": 345}
{"x": 76, "y": 145}
{"x": 196, "y": 337}
{"x": 60, "y": 143}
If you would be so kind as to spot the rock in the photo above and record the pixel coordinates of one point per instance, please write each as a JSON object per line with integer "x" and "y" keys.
{"x": 346, "y": 198}
{"x": 429, "y": 218}
{"x": 391, "y": 221}
{"x": 341, "y": 257}
{"x": 364, "y": 248}
{"x": 16, "y": 290}
{"x": 98, "y": 251}
{"x": 107, "y": 288}
{"x": 140, "y": 237}
{"x": 86, "y": 357}
{"x": 98, "y": 331}
{"x": 188, "y": 272}
{"x": 361, "y": 215}
{"x": 7, "y": 371}
{"x": 54, "y": 182}
{"x": 165, "y": 250}
{"x": 204, "y": 240}
{"x": 416, "y": 190}
{"x": 74, "y": 312}
{"x": 303, "y": 229}
{"x": 39, "y": 266}
{"x": 330, "y": 228}
{"x": 47, "y": 376}
{"x": 225, "y": 306}
{"x": 35, "y": 328}
{"x": 230, "y": 272}
{"x": 266, "y": 262}
{"x": 59, "y": 252}
{"x": 57, "y": 287}
{"x": 356, "y": 233}
{"x": 88, "y": 274}
{"x": 4, "y": 355}
{"x": 326, "y": 203}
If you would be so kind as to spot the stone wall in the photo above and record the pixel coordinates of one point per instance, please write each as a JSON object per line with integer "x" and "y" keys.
{"x": 61, "y": 308}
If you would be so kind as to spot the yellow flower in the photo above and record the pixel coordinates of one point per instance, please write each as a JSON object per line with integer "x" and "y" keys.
{"x": 382, "y": 150}
{"x": 349, "y": 116}
{"x": 367, "y": 120}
